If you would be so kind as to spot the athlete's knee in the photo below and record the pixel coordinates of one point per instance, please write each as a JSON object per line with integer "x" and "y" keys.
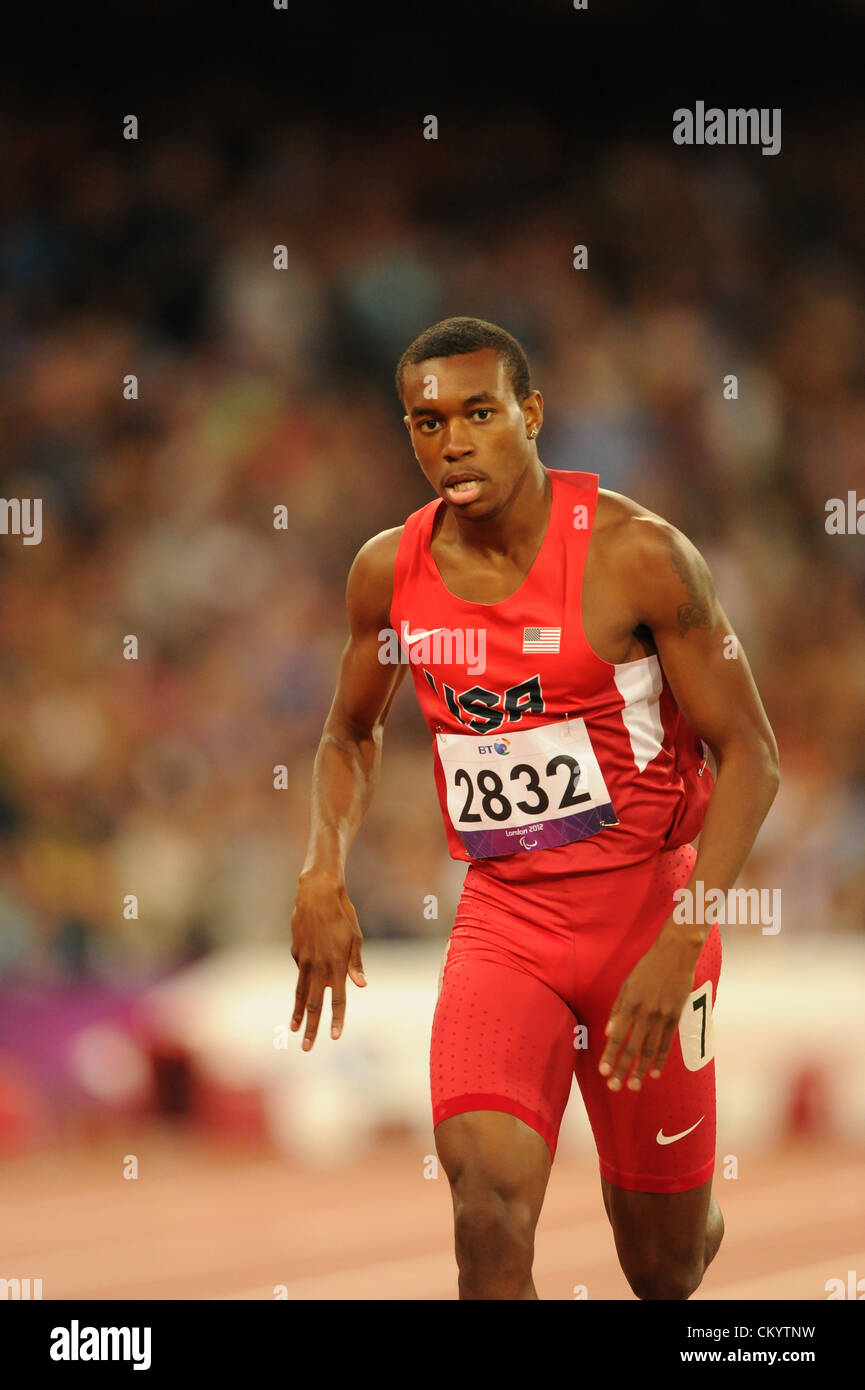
{"x": 664, "y": 1279}
{"x": 495, "y": 1238}
{"x": 497, "y": 1168}
{"x": 714, "y": 1233}
{"x": 489, "y": 1218}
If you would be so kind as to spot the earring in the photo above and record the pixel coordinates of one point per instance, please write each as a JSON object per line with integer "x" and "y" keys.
{"x": 532, "y": 434}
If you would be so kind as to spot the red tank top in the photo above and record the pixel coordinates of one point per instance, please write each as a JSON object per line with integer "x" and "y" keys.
{"x": 548, "y": 760}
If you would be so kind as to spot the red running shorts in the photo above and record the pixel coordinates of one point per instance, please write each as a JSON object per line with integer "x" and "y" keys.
{"x": 529, "y": 978}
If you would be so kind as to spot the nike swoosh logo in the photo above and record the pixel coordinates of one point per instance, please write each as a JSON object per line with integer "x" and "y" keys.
{"x": 416, "y": 636}
{"x": 662, "y": 1138}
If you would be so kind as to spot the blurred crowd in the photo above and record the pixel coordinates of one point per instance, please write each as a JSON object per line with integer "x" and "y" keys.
{"x": 260, "y": 388}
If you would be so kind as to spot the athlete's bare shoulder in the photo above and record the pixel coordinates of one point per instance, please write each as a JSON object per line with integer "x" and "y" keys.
{"x": 369, "y": 592}
{"x": 651, "y": 559}
{"x": 377, "y": 556}
{"x": 615, "y": 512}
{"x": 629, "y": 528}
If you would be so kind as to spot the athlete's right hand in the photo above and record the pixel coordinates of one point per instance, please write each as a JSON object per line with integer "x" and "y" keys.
{"x": 325, "y": 943}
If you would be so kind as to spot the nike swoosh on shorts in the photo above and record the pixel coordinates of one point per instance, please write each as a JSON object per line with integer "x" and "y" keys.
{"x": 662, "y": 1138}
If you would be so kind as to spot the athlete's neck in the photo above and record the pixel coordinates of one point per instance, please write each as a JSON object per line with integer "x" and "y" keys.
{"x": 518, "y": 525}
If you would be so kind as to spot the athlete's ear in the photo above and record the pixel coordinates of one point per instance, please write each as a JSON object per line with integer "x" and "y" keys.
{"x": 533, "y": 412}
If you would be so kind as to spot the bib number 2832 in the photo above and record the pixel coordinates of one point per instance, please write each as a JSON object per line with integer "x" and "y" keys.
{"x": 531, "y": 790}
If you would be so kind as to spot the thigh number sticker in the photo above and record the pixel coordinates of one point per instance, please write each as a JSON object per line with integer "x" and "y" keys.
{"x": 697, "y": 1028}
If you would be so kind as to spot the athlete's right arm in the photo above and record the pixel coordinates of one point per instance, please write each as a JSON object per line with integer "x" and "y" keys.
{"x": 325, "y": 935}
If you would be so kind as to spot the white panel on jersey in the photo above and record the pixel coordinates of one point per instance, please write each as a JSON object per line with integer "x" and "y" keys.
{"x": 640, "y": 684}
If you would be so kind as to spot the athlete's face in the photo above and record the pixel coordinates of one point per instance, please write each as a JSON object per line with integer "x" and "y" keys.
{"x": 470, "y": 435}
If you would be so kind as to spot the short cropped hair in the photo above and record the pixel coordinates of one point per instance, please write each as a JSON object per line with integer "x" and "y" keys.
{"x": 451, "y": 337}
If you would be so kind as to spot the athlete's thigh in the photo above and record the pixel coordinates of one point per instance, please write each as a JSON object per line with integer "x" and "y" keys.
{"x": 488, "y": 1153}
{"x": 502, "y": 1035}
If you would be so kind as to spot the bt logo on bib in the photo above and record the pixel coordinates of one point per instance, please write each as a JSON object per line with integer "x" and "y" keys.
{"x": 500, "y": 745}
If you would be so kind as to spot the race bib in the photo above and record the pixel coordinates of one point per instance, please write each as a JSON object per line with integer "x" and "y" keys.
{"x": 525, "y": 791}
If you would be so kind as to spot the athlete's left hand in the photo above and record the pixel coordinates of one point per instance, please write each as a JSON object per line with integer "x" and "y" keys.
{"x": 645, "y": 1016}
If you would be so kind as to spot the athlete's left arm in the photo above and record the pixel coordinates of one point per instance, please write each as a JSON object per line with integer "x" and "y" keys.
{"x": 709, "y": 675}
{"x": 671, "y": 592}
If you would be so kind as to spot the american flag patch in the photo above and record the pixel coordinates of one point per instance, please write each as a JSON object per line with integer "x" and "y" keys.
{"x": 541, "y": 639}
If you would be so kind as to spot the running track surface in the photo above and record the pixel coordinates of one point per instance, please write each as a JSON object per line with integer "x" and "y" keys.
{"x": 207, "y": 1221}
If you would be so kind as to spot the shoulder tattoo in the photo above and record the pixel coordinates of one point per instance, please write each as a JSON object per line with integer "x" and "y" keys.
{"x": 695, "y": 611}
